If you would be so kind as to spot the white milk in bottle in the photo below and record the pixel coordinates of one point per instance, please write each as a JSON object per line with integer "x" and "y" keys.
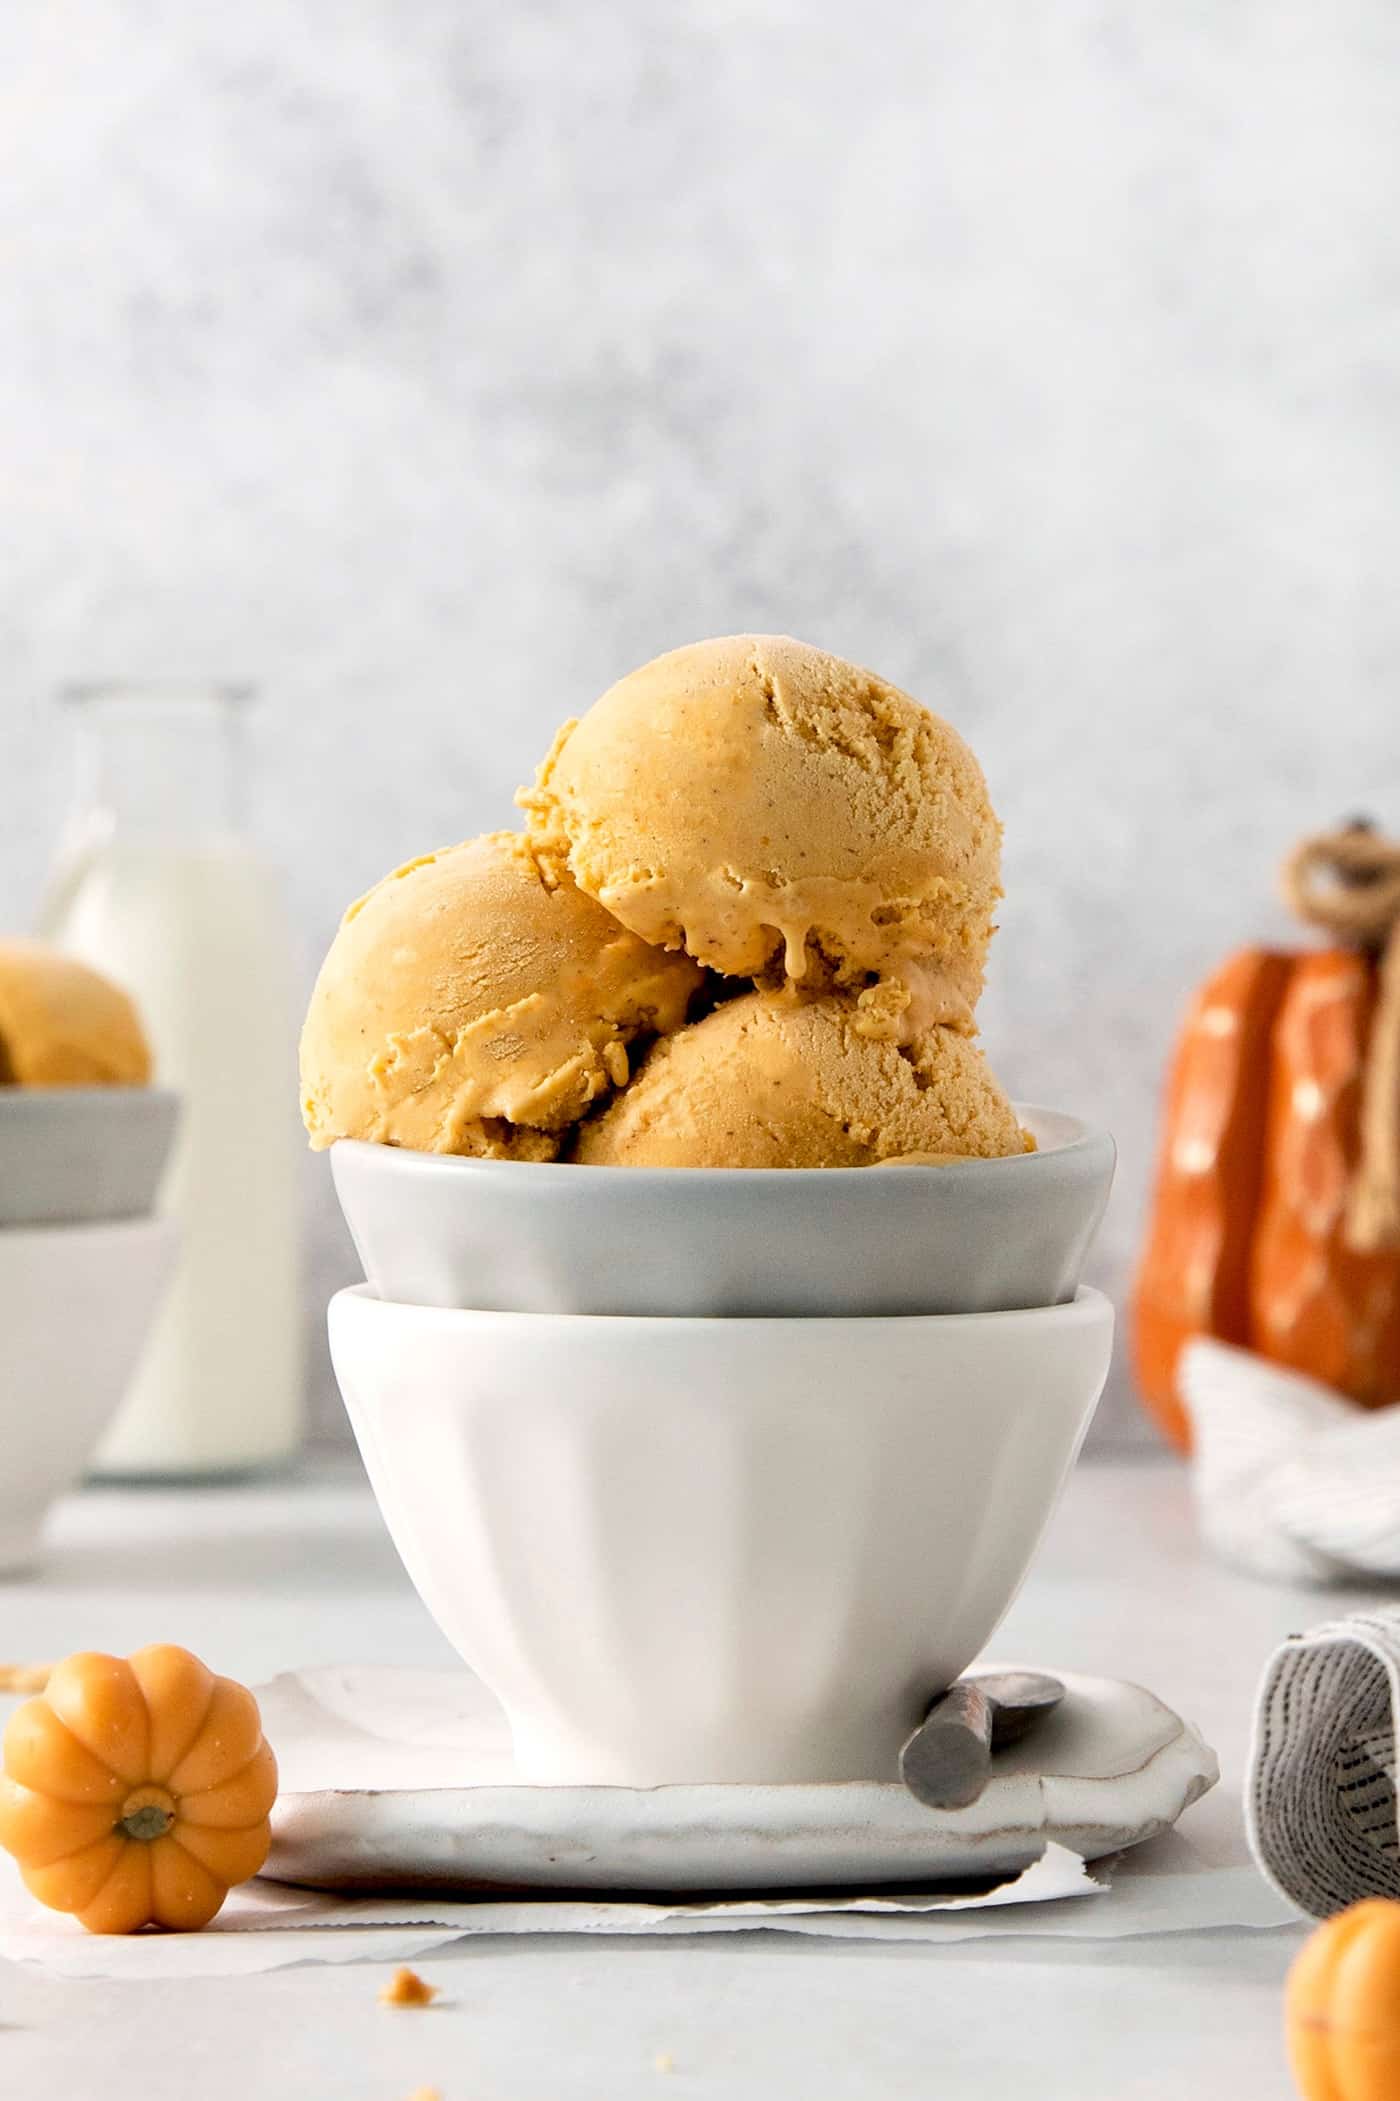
{"x": 157, "y": 886}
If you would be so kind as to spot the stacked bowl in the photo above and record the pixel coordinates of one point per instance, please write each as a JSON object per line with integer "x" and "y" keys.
{"x": 713, "y": 1474}
{"x": 723, "y": 1349}
{"x": 83, "y": 1258}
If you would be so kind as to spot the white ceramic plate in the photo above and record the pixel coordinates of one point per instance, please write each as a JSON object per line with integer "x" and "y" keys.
{"x": 404, "y": 1780}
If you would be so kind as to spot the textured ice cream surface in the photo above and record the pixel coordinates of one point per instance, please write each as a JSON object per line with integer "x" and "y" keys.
{"x": 63, "y": 1024}
{"x": 778, "y": 1080}
{"x": 471, "y": 1004}
{"x": 775, "y": 811}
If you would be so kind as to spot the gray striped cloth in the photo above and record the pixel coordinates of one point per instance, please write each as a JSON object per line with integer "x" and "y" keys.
{"x": 1320, "y": 1802}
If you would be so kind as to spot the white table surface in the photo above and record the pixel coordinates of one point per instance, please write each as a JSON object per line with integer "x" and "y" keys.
{"x": 299, "y": 1572}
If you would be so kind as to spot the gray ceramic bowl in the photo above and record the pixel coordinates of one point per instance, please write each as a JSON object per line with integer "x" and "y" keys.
{"x": 80, "y": 1155}
{"x": 974, "y": 1236}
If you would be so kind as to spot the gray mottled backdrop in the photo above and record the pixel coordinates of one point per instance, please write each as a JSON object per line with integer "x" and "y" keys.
{"x": 434, "y": 362}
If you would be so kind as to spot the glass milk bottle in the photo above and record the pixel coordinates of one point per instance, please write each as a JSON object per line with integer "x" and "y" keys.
{"x": 157, "y": 886}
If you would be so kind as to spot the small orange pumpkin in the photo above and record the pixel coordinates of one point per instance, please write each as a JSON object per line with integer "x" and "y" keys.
{"x": 1277, "y": 1112}
{"x": 1342, "y": 2007}
{"x": 136, "y": 1792}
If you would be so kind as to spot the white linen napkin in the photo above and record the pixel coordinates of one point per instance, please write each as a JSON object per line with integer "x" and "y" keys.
{"x": 1320, "y": 1802}
{"x": 1291, "y": 1480}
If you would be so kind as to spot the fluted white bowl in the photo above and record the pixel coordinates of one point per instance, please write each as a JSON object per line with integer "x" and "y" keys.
{"x": 685, "y": 1549}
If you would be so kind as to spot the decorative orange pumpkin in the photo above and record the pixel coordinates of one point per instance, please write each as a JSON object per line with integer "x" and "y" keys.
{"x": 1342, "y": 2007}
{"x": 1317, "y": 1301}
{"x": 1274, "y": 1223}
{"x": 136, "y": 1791}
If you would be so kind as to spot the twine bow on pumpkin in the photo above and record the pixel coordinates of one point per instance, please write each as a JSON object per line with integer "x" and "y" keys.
{"x": 1348, "y": 883}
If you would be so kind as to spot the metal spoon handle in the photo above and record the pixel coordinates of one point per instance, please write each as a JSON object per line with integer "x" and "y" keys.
{"x": 948, "y": 1758}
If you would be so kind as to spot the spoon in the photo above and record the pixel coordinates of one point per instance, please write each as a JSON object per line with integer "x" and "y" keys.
{"x": 947, "y": 1761}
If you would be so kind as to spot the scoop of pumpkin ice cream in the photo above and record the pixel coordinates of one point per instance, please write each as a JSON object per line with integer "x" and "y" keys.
{"x": 773, "y": 811}
{"x": 775, "y": 1080}
{"x": 62, "y": 1024}
{"x": 470, "y": 1004}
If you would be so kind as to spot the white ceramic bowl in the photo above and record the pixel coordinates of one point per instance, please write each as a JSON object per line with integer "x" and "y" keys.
{"x": 71, "y": 1155}
{"x": 689, "y": 1550}
{"x": 970, "y": 1236}
{"x": 75, "y": 1306}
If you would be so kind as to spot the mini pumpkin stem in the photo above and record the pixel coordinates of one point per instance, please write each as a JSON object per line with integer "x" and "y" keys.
{"x": 146, "y": 1815}
{"x": 147, "y": 1823}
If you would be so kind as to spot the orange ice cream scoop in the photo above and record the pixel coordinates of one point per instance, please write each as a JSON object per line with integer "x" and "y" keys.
{"x": 782, "y": 1081}
{"x": 776, "y": 812}
{"x": 472, "y": 1004}
{"x": 62, "y": 1024}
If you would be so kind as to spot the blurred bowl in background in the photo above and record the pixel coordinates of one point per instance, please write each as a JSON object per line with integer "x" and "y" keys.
{"x": 76, "y": 1303}
{"x": 79, "y": 1155}
{"x": 966, "y": 1236}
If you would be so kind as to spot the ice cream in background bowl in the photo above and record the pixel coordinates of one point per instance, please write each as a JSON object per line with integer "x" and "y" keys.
{"x": 63, "y": 1024}
{"x": 697, "y": 1051}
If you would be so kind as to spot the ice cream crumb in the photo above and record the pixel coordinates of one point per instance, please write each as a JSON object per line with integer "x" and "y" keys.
{"x": 407, "y": 1988}
{"x": 24, "y": 1677}
{"x": 663, "y": 2062}
{"x": 426, "y": 2093}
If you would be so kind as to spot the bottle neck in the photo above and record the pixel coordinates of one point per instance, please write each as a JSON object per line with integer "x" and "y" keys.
{"x": 159, "y": 763}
